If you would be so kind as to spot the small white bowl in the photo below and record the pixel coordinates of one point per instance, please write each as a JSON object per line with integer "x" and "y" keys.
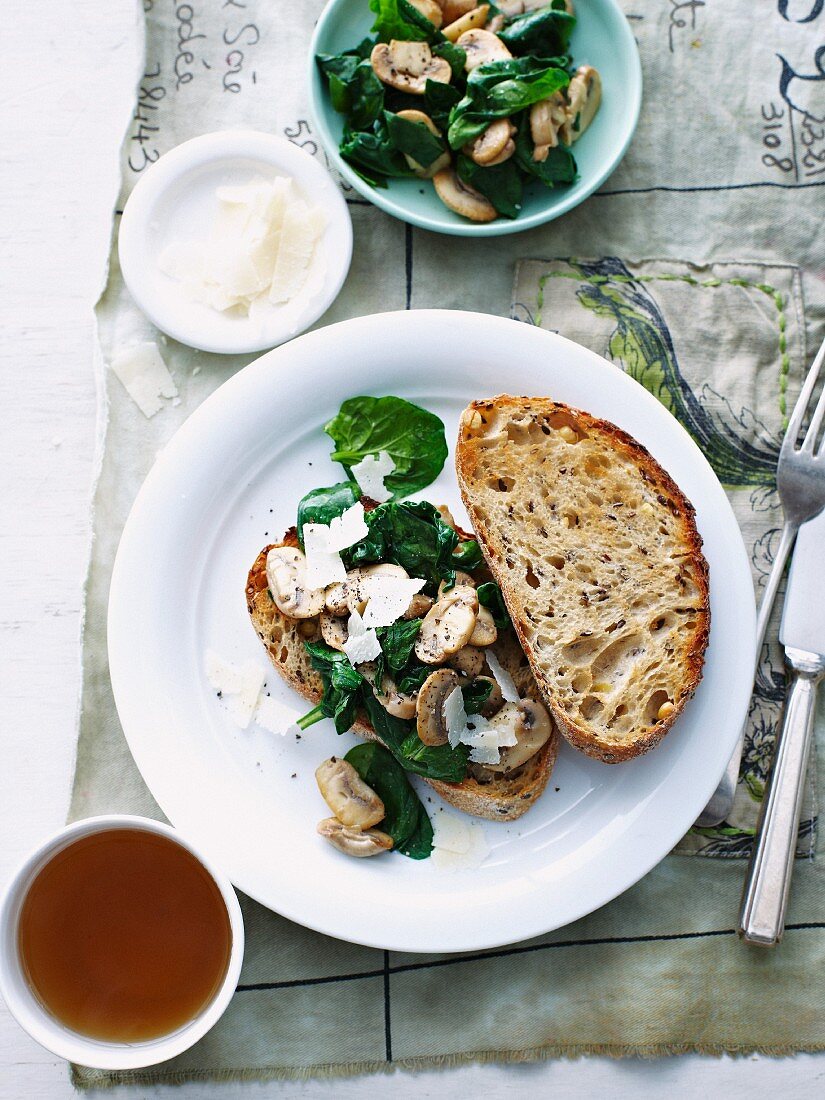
{"x": 49, "y": 1032}
{"x": 175, "y": 201}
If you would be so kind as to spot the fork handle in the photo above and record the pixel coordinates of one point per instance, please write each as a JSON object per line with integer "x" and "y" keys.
{"x": 765, "y": 897}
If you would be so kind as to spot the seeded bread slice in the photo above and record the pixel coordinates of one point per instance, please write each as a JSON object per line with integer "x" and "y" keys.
{"x": 482, "y": 794}
{"x": 599, "y": 561}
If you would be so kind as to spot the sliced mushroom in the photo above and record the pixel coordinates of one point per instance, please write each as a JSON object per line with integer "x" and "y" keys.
{"x": 334, "y": 631}
{"x": 447, "y": 626}
{"x": 352, "y": 800}
{"x": 462, "y": 198}
{"x": 471, "y": 20}
{"x": 547, "y": 118}
{"x": 454, "y": 9}
{"x": 584, "y": 96}
{"x": 430, "y": 10}
{"x": 393, "y": 701}
{"x": 495, "y": 700}
{"x": 430, "y": 721}
{"x": 286, "y": 571}
{"x": 485, "y": 632}
{"x": 419, "y": 606}
{"x": 408, "y": 66}
{"x": 481, "y": 46}
{"x": 460, "y": 578}
{"x": 335, "y": 599}
{"x": 497, "y": 23}
{"x": 532, "y": 726}
{"x": 495, "y": 145}
{"x": 425, "y": 173}
{"x": 468, "y": 660}
{"x": 354, "y": 842}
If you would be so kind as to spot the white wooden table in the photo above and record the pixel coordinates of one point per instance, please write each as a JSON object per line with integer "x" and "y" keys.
{"x": 66, "y": 95}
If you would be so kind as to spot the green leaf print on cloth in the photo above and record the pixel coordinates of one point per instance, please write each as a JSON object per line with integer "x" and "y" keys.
{"x": 715, "y": 346}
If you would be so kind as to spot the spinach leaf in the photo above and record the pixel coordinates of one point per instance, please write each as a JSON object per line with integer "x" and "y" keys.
{"x": 322, "y": 505}
{"x": 454, "y": 55}
{"x": 439, "y": 100}
{"x": 397, "y": 642}
{"x": 406, "y": 820}
{"x": 434, "y": 761}
{"x": 411, "y": 679}
{"x": 413, "y": 139}
{"x": 400, "y": 20}
{"x": 544, "y": 32}
{"x": 411, "y": 534}
{"x": 354, "y": 88}
{"x": 467, "y": 556}
{"x": 499, "y": 89}
{"x": 489, "y": 596}
{"x": 413, "y": 437}
{"x": 476, "y": 694}
{"x": 500, "y": 183}
{"x": 342, "y": 687}
{"x": 373, "y": 154}
{"x": 558, "y": 167}
{"x": 401, "y": 738}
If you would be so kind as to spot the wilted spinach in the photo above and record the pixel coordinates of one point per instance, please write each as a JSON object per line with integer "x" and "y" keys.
{"x": 413, "y": 139}
{"x": 342, "y": 687}
{"x": 411, "y": 534}
{"x": 500, "y": 183}
{"x": 406, "y": 820}
{"x": 544, "y": 32}
{"x": 559, "y": 166}
{"x": 489, "y": 596}
{"x": 467, "y": 556}
{"x": 476, "y": 694}
{"x": 372, "y": 153}
{"x": 412, "y": 437}
{"x": 323, "y": 505}
{"x": 500, "y": 89}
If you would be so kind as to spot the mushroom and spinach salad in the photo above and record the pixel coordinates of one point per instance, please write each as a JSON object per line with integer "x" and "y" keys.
{"x": 399, "y": 617}
{"x": 481, "y": 99}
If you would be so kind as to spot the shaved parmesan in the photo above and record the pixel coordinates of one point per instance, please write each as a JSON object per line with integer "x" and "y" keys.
{"x": 145, "y": 377}
{"x": 370, "y": 473}
{"x": 259, "y": 248}
{"x": 485, "y": 740}
{"x": 275, "y": 717}
{"x": 362, "y": 643}
{"x": 348, "y": 528}
{"x": 388, "y": 597}
{"x": 458, "y": 843}
{"x": 324, "y": 566}
{"x": 239, "y": 686}
{"x": 502, "y": 677}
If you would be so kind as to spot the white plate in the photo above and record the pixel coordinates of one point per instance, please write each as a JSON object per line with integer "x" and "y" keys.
{"x": 175, "y": 201}
{"x": 229, "y": 482}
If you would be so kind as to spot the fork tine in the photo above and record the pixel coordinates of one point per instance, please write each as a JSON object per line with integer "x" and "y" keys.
{"x": 795, "y": 422}
{"x": 809, "y": 442}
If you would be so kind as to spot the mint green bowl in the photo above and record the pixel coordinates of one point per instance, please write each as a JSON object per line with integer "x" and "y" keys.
{"x": 602, "y": 37}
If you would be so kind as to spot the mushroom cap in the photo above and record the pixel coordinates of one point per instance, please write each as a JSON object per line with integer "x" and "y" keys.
{"x": 485, "y": 631}
{"x": 408, "y": 66}
{"x": 286, "y": 570}
{"x": 476, "y": 17}
{"x": 430, "y": 10}
{"x": 532, "y": 726}
{"x": 480, "y": 47}
{"x": 353, "y": 801}
{"x": 430, "y": 722}
{"x": 354, "y": 842}
{"x": 491, "y": 147}
{"x": 462, "y": 198}
{"x": 393, "y": 701}
{"x": 469, "y": 659}
{"x": 334, "y": 631}
{"x": 447, "y": 626}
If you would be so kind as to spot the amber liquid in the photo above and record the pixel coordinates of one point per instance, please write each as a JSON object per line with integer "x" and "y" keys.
{"x": 124, "y": 936}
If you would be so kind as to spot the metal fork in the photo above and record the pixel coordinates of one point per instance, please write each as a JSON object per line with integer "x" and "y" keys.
{"x": 800, "y": 479}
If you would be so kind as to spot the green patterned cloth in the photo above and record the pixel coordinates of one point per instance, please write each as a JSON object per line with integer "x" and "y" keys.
{"x": 723, "y": 166}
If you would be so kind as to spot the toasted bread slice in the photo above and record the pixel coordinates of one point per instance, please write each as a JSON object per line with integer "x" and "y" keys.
{"x": 599, "y": 561}
{"x": 497, "y": 798}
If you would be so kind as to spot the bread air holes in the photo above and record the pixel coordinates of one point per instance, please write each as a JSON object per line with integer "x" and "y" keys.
{"x": 658, "y": 707}
{"x": 556, "y": 560}
{"x": 523, "y": 431}
{"x": 590, "y": 707}
{"x": 582, "y": 651}
{"x": 501, "y": 484}
{"x": 611, "y": 658}
{"x": 662, "y": 622}
{"x": 531, "y": 577}
{"x": 581, "y": 682}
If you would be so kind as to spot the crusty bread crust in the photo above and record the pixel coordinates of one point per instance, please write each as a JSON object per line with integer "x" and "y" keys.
{"x": 496, "y": 798}
{"x": 509, "y": 461}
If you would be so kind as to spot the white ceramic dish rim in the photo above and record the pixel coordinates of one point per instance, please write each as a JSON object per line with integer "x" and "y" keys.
{"x": 383, "y": 199}
{"x": 48, "y": 1031}
{"x": 325, "y": 345}
{"x": 169, "y": 312}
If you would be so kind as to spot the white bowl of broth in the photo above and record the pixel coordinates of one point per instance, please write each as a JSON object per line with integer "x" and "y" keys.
{"x": 120, "y": 944}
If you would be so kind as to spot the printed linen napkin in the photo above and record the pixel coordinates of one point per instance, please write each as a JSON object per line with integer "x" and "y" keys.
{"x": 726, "y": 162}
